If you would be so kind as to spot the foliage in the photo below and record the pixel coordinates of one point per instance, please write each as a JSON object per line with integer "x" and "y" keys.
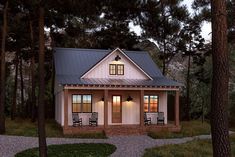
{"x": 201, "y": 89}
{"x": 9, "y": 89}
{"x": 191, "y": 45}
{"x": 72, "y": 150}
{"x": 96, "y": 25}
{"x": 203, "y": 8}
{"x": 105, "y": 25}
{"x": 192, "y": 128}
{"x": 194, "y": 148}
{"x": 151, "y": 48}
{"x": 161, "y": 21}
{"x": 24, "y": 127}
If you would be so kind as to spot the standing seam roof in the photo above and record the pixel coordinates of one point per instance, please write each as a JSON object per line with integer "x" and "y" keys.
{"x": 72, "y": 63}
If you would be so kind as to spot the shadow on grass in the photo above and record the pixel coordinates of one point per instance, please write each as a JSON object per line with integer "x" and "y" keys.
{"x": 188, "y": 129}
{"x": 194, "y": 148}
{"x": 24, "y": 127}
{"x": 73, "y": 150}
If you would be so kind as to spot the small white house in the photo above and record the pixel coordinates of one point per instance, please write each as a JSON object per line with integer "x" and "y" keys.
{"x": 125, "y": 88}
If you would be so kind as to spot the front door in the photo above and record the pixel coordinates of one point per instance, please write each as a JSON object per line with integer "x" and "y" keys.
{"x": 117, "y": 109}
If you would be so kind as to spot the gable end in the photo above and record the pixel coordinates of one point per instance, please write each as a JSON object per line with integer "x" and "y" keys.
{"x": 107, "y": 56}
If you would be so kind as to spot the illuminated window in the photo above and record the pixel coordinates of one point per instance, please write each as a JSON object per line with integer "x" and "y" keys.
{"x": 150, "y": 103}
{"x": 146, "y": 103}
{"x": 116, "y": 69}
{"x": 120, "y": 69}
{"x": 81, "y": 103}
{"x": 112, "y": 69}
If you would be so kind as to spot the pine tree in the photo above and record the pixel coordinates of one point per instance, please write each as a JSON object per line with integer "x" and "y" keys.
{"x": 191, "y": 44}
{"x": 3, "y": 72}
{"x": 161, "y": 21}
{"x": 219, "y": 92}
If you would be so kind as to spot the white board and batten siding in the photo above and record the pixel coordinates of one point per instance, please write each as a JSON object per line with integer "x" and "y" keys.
{"x": 102, "y": 69}
{"x": 59, "y": 107}
{"x": 97, "y": 106}
{"x": 130, "y": 110}
{"x": 162, "y": 108}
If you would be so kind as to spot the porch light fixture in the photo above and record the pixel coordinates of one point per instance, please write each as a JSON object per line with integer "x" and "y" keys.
{"x": 117, "y": 58}
{"x": 129, "y": 98}
{"x": 102, "y": 99}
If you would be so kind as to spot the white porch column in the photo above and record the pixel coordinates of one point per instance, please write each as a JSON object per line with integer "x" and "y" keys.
{"x": 142, "y": 108}
{"x": 105, "y": 108}
{"x": 65, "y": 108}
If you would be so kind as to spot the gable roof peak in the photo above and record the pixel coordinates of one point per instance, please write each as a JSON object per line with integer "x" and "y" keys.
{"x": 109, "y": 54}
{"x": 68, "y": 59}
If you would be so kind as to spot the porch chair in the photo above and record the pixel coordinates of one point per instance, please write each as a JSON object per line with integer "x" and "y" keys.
{"x": 160, "y": 118}
{"x": 94, "y": 119}
{"x": 147, "y": 121}
{"x": 76, "y": 120}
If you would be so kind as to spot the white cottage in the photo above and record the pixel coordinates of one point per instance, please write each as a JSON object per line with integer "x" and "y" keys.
{"x": 116, "y": 91}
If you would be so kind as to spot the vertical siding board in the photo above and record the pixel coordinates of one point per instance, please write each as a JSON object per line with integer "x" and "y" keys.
{"x": 130, "y": 70}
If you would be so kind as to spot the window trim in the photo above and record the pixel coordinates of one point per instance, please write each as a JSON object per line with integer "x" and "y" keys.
{"x": 81, "y": 103}
{"x": 121, "y": 65}
{"x": 115, "y": 70}
{"x": 149, "y": 103}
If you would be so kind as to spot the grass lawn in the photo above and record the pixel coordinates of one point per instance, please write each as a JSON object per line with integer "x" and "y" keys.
{"x": 196, "y": 148}
{"x": 232, "y": 129}
{"x": 24, "y": 127}
{"x": 191, "y": 128}
{"x": 73, "y": 150}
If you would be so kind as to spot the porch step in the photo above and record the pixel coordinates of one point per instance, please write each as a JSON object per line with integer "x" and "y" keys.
{"x": 124, "y": 130}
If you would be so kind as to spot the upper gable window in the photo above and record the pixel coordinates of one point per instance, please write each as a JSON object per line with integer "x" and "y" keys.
{"x": 120, "y": 69}
{"x": 112, "y": 69}
{"x": 116, "y": 69}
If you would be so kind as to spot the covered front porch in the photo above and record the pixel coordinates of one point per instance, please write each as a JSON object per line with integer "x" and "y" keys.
{"x": 130, "y": 120}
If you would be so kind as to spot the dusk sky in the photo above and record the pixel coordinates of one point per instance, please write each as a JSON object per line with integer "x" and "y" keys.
{"x": 206, "y": 26}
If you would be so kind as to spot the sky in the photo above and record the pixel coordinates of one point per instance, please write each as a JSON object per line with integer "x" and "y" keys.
{"x": 206, "y": 26}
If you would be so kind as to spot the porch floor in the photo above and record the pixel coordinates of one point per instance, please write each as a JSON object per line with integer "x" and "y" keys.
{"x": 121, "y": 129}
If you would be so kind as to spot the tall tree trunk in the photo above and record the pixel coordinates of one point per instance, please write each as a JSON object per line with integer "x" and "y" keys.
{"x": 188, "y": 90}
{"x": 219, "y": 93}
{"x": 41, "y": 106}
{"x": 164, "y": 41}
{"x": 3, "y": 71}
{"x": 164, "y": 58}
{"x": 28, "y": 102}
{"x": 22, "y": 88}
{"x": 203, "y": 109}
{"x": 13, "y": 108}
{"x": 32, "y": 68}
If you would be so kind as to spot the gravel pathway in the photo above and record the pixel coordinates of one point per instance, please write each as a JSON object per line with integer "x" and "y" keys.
{"x": 127, "y": 146}
{"x": 130, "y": 146}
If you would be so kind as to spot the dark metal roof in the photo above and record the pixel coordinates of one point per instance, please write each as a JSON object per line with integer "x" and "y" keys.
{"x": 75, "y": 80}
{"x": 72, "y": 63}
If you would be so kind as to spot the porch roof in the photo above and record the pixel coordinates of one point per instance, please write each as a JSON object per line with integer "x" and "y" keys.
{"x": 156, "y": 82}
